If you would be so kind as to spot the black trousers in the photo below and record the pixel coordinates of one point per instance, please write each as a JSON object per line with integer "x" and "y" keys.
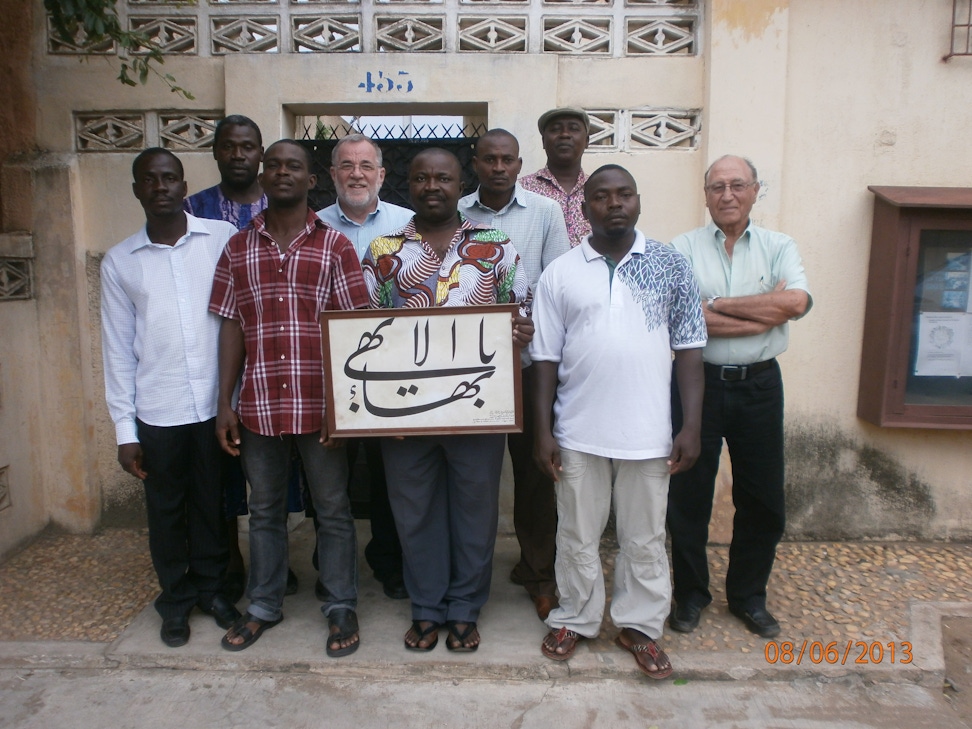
{"x": 749, "y": 415}
{"x": 384, "y": 552}
{"x": 534, "y": 506}
{"x": 184, "y": 500}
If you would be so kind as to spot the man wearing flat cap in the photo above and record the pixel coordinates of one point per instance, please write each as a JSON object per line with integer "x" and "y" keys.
{"x": 565, "y": 132}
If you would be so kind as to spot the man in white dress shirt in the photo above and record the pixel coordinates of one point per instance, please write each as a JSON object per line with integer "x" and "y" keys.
{"x": 159, "y": 343}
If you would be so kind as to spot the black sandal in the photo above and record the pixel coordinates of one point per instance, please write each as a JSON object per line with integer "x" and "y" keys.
{"x": 433, "y": 627}
{"x": 456, "y": 641}
{"x": 249, "y": 636}
{"x": 346, "y": 622}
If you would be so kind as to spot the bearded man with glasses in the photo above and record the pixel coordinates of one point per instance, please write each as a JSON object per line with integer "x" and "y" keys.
{"x": 752, "y": 284}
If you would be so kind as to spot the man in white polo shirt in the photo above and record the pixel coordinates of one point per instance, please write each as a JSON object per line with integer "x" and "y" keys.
{"x": 608, "y": 316}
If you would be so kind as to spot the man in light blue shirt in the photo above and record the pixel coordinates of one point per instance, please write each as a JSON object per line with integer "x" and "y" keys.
{"x": 159, "y": 343}
{"x": 752, "y": 283}
{"x": 358, "y": 176}
{"x": 535, "y": 225}
{"x": 362, "y": 216}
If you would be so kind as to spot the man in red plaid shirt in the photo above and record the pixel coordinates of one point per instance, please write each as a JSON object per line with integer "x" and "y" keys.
{"x": 271, "y": 284}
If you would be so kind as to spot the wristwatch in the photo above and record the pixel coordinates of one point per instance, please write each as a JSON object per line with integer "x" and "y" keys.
{"x": 710, "y": 303}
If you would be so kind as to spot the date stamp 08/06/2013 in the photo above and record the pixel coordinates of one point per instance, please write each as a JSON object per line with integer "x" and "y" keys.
{"x": 831, "y": 653}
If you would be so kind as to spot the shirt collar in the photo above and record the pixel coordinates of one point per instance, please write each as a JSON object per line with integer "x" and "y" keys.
{"x": 518, "y": 197}
{"x": 718, "y": 235}
{"x": 194, "y": 226}
{"x": 547, "y": 175}
{"x": 312, "y": 221}
{"x": 371, "y": 215}
{"x": 409, "y": 232}
{"x": 637, "y": 248}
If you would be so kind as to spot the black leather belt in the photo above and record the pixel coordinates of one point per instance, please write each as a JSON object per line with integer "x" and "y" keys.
{"x": 736, "y": 373}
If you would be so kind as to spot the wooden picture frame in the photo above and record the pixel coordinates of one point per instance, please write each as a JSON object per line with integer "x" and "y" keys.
{"x": 443, "y": 370}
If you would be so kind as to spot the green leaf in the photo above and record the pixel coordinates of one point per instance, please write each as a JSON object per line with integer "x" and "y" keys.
{"x": 680, "y": 681}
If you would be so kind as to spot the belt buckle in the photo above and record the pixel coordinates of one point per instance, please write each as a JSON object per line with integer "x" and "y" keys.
{"x": 733, "y": 373}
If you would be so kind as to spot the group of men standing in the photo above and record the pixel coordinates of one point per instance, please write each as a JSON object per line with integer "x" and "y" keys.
{"x": 212, "y": 349}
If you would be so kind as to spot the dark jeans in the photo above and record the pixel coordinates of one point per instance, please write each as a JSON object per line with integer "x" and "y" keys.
{"x": 444, "y": 492}
{"x": 534, "y": 506}
{"x": 267, "y": 464}
{"x": 749, "y": 415}
{"x": 184, "y": 501}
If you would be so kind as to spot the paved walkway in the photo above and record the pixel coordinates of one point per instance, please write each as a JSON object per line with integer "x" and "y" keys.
{"x": 863, "y": 621}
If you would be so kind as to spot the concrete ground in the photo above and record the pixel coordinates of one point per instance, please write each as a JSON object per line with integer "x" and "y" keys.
{"x": 77, "y": 667}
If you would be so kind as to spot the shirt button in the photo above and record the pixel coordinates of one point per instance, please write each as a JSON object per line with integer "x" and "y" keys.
{"x": 279, "y": 270}
{"x": 283, "y": 356}
{"x": 281, "y": 328}
{"x": 284, "y": 385}
{"x": 280, "y": 299}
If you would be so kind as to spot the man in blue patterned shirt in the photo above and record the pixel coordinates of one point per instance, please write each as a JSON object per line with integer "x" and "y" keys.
{"x": 608, "y": 316}
{"x": 238, "y": 198}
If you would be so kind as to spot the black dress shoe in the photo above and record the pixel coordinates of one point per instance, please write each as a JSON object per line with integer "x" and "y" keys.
{"x": 222, "y": 610}
{"x": 758, "y": 620}
{"x": 292, "y": 583}
{"x": 685, "y": 618}
{"x": 394, "y": 586}
{"x": 175, "y": 631}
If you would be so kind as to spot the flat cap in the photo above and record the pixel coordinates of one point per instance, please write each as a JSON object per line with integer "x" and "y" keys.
{"x": 570, "y": 111}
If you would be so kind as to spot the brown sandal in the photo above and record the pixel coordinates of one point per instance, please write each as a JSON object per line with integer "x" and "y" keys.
{"x": 647, "y": 653}
{"x": 560, "y": 638}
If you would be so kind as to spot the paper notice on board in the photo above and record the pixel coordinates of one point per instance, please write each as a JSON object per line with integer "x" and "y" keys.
{"x": 944, "y": 342}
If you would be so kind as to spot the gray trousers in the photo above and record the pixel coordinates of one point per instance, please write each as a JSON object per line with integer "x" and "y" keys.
{"x": 444, "y": 494}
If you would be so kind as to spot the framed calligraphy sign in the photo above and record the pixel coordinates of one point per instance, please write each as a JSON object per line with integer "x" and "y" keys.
{"x": 420, "y": 371}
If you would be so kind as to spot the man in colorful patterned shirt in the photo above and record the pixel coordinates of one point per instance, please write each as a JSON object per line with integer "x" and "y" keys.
{"x": 609, "y": 316}
{"x": 565, "y": 133}
{"x": 444, "y": 489}
{"x": 271, "y": 284}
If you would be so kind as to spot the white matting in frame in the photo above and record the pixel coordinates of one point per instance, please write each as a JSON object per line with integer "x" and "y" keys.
{"x": 421, "y": 371}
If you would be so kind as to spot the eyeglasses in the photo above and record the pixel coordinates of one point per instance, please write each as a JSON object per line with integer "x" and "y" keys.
{"x": 362, "y": 166}
{"x": 735, "y": 188}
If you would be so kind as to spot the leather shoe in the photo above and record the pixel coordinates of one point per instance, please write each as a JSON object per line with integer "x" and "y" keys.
{"x": 544, "y": 604}
{"x": 684, "y": 618}
{"x": 223, "y": 611}
{"x": 758, "y": 620}
{"x": 175, "y": 631}
{"x": 394, "y": 586}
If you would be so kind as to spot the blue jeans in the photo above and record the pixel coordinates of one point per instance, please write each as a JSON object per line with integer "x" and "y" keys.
{"x": 266, "y": 462}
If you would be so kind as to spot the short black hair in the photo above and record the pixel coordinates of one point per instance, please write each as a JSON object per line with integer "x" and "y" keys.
{"x": 236, "y": 120}
{"x": 607, "y": 168}
{"x": 435, "y": 150}
{"x": 307, "y": 155}
{"x": 155, "y": 152}
{"x": 493, "y": 134}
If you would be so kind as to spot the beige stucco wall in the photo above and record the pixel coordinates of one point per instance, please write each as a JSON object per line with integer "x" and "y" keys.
{"x": 825, "y": 96}
{"x": 870, "y": 102}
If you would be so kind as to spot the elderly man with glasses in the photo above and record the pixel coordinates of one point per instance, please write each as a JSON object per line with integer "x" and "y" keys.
{"x": 752, "y": 284}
